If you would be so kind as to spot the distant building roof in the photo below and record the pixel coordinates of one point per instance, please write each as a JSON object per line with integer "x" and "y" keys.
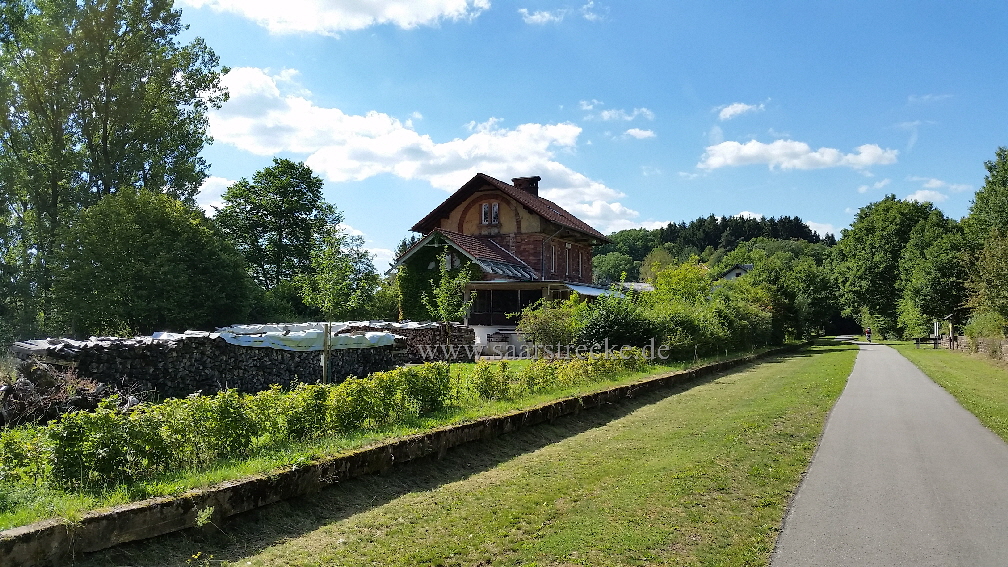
{"x": 745, "y": 268}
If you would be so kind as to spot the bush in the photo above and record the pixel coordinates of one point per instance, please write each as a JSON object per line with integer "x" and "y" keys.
{"x": 492, "y": 382}
{"x": 617, "y": 321}
{"x": 429, "y": 385}
{"x": 24, "y": 454}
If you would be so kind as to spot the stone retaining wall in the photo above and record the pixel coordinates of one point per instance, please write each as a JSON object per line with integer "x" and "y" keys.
{"x": 55, "y": 542}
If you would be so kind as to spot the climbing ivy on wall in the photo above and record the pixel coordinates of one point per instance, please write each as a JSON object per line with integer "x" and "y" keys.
{"x": 414, "y": 280}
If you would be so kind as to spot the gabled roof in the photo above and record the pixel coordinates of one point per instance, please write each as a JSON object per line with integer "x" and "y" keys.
{"x": 538, "y": 205}
{"x": 487, "y": 254}
{"x": 744, "y": 267}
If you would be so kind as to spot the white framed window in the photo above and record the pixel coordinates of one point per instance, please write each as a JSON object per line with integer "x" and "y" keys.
{"x": 567, "y": 261}
{"x": 580, "y": 260}
{"x": 490, "y": 213}
{"x": 553, "y": 258}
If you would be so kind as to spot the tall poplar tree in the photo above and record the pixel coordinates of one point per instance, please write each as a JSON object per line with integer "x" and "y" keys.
{"x": 95, "y": 96}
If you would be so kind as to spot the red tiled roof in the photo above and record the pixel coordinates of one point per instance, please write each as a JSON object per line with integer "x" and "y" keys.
{"x": 542, "y": 207}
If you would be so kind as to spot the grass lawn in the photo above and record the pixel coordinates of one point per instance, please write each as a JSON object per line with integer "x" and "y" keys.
{"x": 979, "y": 383}
{"x": 701, "y": 477}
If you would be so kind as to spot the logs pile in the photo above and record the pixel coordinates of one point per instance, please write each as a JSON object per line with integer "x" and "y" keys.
{"x": 424, "y": 343}
{"x": 207, "y": 365}
{"x": 204, "y": 362}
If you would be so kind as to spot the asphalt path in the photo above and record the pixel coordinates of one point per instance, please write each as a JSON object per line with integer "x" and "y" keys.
{"x": 903, "y": 476}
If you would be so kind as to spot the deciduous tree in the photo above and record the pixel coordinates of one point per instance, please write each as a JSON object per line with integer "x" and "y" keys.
{"x": 278, "y": 220}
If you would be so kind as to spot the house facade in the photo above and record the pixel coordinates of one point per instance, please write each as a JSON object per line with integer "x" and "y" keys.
{"x": 522, "y": 247}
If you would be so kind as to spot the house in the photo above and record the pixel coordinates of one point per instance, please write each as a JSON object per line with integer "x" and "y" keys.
{"x": 736, "y": 271}
{"x": 522, "y": 247}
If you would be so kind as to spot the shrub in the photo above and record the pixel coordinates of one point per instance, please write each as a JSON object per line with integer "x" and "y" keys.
{"x": 492, "y": 382}
{"x": 617, "y": 321}
{"x": 429, "y": 385}
{"x": 541, "y": 374}
{"x": 24, "y": 454}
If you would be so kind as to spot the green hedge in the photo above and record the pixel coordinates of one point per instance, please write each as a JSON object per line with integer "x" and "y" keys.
{"x": 108, "y": 447}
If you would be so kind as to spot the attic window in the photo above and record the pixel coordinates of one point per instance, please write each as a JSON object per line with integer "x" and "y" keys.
{"x": 491, "y": 213}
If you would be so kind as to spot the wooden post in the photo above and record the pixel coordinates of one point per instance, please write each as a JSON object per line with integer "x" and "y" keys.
{"x": 325, "y": 354}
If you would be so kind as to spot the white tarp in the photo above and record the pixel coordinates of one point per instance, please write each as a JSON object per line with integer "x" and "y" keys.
{"x": 308, "y": 340}
{"x": 292, "y": 336}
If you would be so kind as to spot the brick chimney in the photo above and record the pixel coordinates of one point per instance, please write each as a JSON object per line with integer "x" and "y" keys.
{"x": 528, "y": 184}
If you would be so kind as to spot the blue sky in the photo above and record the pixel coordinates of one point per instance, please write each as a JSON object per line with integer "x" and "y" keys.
{"x": 635, "y": 113}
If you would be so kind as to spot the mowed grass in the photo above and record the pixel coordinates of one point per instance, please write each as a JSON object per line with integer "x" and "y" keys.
{"x": 979, "y": 383}
{"x": 699, "y": 476}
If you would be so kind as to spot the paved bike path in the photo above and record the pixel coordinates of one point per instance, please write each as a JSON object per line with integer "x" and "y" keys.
{"x": 903, "y": 476}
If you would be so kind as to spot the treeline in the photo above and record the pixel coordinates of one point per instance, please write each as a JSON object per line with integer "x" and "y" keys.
{"x": 904, "y": 265}
{"x": 635, "y": 251}
{"x": 901, "y": 268}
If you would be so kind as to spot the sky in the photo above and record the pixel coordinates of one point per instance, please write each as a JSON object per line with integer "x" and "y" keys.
{"x": 634, "y": 113}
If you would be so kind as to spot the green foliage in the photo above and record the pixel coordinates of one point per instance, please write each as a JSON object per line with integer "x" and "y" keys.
{"x": 613, "y": 267}
{"x": 139, "y": 261}
{"x": 617, "y": 319}
{"x": 707, "y": 237}
{"x": 933, "y": 275}
{"x": 111, "y": 447}
{"x": 989, "y": 280}
{"x": 552, "y": 322}
{"x": 278, "y": 221}
{"x": 446, "y": 301}
{"x": 688, "y": 282}
{"x": 342, "y": 282}
{"x": 96, "y": 97}
{"x": 656, "y": 261}
{"x": 429, "y": 385}
{"x": 867, "y": 263}
{"x": 989, "y": 210}
{"x": 492, "y": 381}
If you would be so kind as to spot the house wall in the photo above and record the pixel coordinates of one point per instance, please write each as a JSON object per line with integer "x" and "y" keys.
{"x": 514, "y": 218}
{"x": 521, "y": 233}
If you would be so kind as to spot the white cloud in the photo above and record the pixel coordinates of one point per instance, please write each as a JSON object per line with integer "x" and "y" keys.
{"x": 381, "y": 257}
{"x": 932, "y": 183}
{"x": 639, "y": 134}
{"x": 920, "y": 99}
{"x": 649, "y": 170}
{"x": 715, "y": 136}
{"x": 588, "y": 12}
{"x": 613, "y": 114}
{"x": 749, "y": 215}
{"x": 923, "y": 195}
{"x": 789, "y": 154}
{"x": 620, "y": 114}
{"x": 331, "y": 17}
{"x": 542, "y": 16}
{"x": 688, "y": 175}
{"x": 734, "y": 109}
{"x": 822, "y": 228}
{"x": 343, "y": 147}
{"x": 876, "y": 185}
{"x": 210, "y": 193}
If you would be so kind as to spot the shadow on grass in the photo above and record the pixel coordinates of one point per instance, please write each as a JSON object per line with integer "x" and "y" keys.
{"x": 252, "y": 532}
